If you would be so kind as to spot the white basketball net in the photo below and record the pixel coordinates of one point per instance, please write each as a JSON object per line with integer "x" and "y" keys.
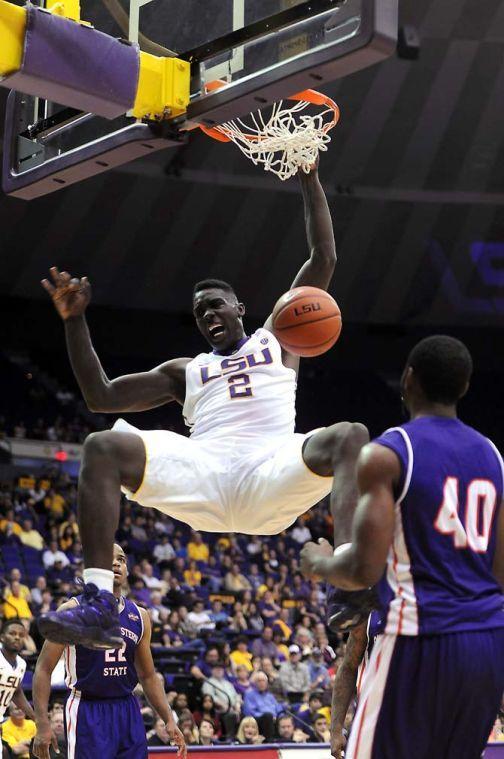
{"x": 288, "y": 141}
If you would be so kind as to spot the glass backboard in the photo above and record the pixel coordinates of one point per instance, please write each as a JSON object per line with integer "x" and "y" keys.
{"x": 259, "y": 51}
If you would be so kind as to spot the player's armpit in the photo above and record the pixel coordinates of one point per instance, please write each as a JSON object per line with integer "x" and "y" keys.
{"x": 498, "y": 563}
{"x": 144, "y": 390}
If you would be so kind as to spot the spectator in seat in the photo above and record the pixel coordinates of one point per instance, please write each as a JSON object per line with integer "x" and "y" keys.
{"x": 192, "y": 575}
{"x": 259, "y": 703}
{"x": 294, "y": 674}
{"x": 31, "y": 537}
{"x": 241, "y": 654}
{"x": 264, "y": 646}
{"x": 248, "y": 732}
{"x": 203, "y": 667}
{"x": 18, "y": 732}
{"x": 308, "y": 712}
{"x": 147, "y": 573}
{"x": 58, "y": 574}
{"x": 163, "y": 552}
{"x": 242, "y": 682}
{"x": 234, "y": 581}
{"x": 268, "y": 607}
{"x": 160, "y": 737}
{"x": 36, "y": 592}
{"x": 283, "y": 625}
{"x": 9, "y": 526}
{"x": 301, "y": 534}
{"x": 320, "y": 728}
{"x": 226, "y": 699}
{"x": 319, "y": 674}
{"x": 206, "y": 732}
{"x": 218, "y": 614}
{"x": 14, "y": 603}
{"x": 255, "y": 578}
{"x": 57, "y": 722}
{"x": 255, "y": 621}
{"x": 197, "y": 550}
{"x": 72, "y": 523}
{"x": 282, "y": 648}
{"x": 188, "y": 728}
{"x": 53, "y": 554}
{"x": 287, "y": 732}
{"x": 209, "y": 712}
{"x": 66, "y": 540}
{"x": 275, "y": 684}
{"x": 54, "y": 504}
{"x": 16, "y": 576}
{"x": 200, "y": 619}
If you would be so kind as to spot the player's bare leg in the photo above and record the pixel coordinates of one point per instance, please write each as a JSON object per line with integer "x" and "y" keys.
{"x": 110, "y": 459}
{"x": 335, "y": 451}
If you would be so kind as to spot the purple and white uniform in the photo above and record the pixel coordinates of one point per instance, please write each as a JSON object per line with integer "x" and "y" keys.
{"x": 435, "y": 678}
{"x": 102, "y": 716}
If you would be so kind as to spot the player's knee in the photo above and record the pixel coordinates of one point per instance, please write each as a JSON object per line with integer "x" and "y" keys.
{"x": 351, "y": 437}
{"x": 99, "y": 445}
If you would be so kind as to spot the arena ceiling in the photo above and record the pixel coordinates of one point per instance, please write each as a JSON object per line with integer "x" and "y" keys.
{"x": 415, "y": 179}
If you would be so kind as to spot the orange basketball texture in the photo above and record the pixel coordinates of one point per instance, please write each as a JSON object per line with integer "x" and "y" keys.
{"x": 306, "y": 321}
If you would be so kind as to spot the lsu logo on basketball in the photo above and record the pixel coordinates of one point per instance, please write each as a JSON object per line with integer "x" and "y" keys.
{"x": 234, "y": 365}
{"x": 307, "y": 308}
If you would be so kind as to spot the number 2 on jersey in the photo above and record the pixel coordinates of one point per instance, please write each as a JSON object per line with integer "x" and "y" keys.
{"x": 239, "y": 386}
{"x": 480, "y": 500}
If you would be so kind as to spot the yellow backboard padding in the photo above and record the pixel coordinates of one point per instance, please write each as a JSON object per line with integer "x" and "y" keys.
{"x": 163, "y": 87}
{"x": 12, "y": 34}
{"x": 67, "y": 8}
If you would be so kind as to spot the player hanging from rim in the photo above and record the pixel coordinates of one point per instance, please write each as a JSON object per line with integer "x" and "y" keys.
{"x": 103, "y": 716}
{"x": 429, "y": 527}
{"x": 12, "y": 668}
{"x": 243, "y": 468}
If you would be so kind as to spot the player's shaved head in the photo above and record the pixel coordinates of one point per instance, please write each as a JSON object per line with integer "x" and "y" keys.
{"x": 213, "y": 284}
{"x": 442, "y": 366}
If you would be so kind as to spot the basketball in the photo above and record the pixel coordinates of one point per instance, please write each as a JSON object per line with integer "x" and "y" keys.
{"x": 306, "y": 321}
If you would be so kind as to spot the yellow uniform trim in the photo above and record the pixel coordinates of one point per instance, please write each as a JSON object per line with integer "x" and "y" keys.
{"x": 163, "y": 87}
{"x": 12, "y": 34}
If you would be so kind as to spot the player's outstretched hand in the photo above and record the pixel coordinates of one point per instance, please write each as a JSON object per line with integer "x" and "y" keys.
{"x": 177, "y": 738}
{"x": 338, "y": 743}
{"x": 44, "y": 740}
{"x": 69, "y": 295}
{"x": 310, "y": 555}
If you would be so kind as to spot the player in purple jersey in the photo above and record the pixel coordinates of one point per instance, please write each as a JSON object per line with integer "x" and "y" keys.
{"x": 102, "y": 716}
{"x": 429, "y": 528}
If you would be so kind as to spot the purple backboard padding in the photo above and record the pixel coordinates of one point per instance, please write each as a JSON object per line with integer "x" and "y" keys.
{"x": 76, "y": 66}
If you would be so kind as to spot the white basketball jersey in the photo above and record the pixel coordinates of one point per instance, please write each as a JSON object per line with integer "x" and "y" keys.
{"x": 248, "y": 395}
{"x": 11, "y": 678}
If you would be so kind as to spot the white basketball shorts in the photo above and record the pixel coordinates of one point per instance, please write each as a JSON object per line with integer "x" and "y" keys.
{"x": 227, "y": 485}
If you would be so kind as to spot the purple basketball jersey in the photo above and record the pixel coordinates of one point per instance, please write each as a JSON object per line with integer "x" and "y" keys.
{"x": 110, "y": 673}
{"x": 439, "y": 569}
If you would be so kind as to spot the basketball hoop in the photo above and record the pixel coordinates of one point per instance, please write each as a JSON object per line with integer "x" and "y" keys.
{"x": 289, "y": 140}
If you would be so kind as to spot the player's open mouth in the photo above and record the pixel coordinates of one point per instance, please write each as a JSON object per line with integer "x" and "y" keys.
{"x": 217, "y": 330}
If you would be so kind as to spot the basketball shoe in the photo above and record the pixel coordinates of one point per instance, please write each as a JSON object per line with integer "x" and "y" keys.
{"x": 94, "y": 623}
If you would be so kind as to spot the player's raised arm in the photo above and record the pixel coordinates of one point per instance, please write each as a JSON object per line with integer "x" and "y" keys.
{"x": 318, "y": 270}
{"x": 133, "y": 392}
